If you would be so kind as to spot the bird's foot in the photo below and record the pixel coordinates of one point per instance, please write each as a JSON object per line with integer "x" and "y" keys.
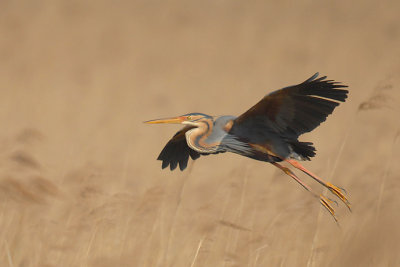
{"x": 339, "y": 193}
{"x": 326, "y": 202}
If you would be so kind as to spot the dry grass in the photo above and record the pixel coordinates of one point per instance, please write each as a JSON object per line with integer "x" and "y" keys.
{"x": 79, "y": 183}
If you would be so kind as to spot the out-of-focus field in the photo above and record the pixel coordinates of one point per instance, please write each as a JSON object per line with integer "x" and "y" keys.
{"x": 79, "y": 180}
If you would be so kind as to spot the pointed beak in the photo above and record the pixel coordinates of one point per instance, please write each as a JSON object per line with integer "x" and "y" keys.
{"x": 176, "y": 120}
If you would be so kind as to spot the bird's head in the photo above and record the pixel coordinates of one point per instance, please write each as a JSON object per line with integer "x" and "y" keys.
{"x": 193, "y": 119}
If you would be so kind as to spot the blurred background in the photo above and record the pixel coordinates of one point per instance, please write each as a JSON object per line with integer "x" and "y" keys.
{"x": 79, "y": 181}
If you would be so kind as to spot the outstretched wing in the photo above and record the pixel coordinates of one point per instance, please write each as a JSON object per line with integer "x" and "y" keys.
{"x": 294, "y": 110}
{"x": 177, "y": 151}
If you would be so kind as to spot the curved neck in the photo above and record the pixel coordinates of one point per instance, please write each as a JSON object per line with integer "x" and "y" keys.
{"x": 197, "y": 137}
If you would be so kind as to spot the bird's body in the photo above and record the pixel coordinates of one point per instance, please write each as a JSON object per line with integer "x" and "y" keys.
{"x": 223, "y": 137}
{"x": 267, "y": 132}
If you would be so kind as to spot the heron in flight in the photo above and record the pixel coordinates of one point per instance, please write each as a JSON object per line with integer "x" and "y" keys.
{"x": 268, "y": 131}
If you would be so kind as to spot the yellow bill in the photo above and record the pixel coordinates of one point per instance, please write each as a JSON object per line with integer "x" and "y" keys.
{"x": 178, "y": 120}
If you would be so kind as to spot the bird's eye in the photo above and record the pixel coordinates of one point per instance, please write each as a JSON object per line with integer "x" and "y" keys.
{"x": 189, "y": 117}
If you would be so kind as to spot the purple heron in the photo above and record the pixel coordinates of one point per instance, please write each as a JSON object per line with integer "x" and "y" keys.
{"x": 268, "y": 131}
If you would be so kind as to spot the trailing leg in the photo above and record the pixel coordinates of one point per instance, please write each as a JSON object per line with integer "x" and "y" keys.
{"x": 326, "y": 202}
{"x": 334, "y": 189}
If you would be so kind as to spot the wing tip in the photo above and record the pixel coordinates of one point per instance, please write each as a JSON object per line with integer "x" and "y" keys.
{"x": 312, "y": 77}
{"x": 323, "y": 78}
{"x": 173, "y": 165}
{"x": 334, "y": 87}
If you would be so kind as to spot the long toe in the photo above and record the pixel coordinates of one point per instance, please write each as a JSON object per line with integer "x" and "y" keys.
{"x": 326, "y": 202}
{"x": 338, "y": 192}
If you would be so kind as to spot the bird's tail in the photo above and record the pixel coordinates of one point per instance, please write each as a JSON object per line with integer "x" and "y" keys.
{"x": 302, "y": 150}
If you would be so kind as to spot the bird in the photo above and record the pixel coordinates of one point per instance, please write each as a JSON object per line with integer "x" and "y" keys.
{"x": 267, "y": 132}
